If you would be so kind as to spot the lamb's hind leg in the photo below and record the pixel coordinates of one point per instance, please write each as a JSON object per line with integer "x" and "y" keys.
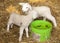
{"x": 8, "y": 25}
{"x": 11, "y": 25}
{"x": 44, "y": 18}
{"x": 53, "y": 20}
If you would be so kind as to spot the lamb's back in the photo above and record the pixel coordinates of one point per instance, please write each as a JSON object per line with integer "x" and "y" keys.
{"x": 41, "y": 9}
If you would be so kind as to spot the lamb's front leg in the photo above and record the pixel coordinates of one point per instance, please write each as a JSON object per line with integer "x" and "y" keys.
{"x": 26, "y": 29}
{"x": 21, "y": 32}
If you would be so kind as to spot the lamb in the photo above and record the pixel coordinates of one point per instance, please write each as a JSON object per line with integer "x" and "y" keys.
{"x": 43, "y": 11}
{"x": 21, "y": 20}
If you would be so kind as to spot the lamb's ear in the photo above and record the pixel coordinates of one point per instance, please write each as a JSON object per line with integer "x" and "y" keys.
{"x": 21, "y": 4}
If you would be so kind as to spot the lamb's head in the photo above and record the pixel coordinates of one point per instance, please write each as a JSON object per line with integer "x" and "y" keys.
{"x": 25, "y": 7}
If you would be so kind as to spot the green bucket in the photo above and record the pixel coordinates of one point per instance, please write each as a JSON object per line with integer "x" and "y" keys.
{"x": 41, "y": 30}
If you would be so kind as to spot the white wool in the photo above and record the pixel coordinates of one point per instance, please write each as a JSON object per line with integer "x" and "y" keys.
{"x": 22, "y": 20}
{"x": 43, "y": 11}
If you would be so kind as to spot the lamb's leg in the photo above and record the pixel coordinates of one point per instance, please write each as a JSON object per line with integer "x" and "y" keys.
{"x": 11, "y": 25}
{"x": 50, "y": 17}
{"x": 44, "y": 18}
{"x": 21, "y": 32}
{"x": 26, "y": 29}
{"x": 8, "y": 26}
{"x": 53, "y": 20}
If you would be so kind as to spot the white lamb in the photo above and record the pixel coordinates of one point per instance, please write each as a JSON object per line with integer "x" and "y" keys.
{"x": 43, "y": 11}
{"x": 21, "y": 20}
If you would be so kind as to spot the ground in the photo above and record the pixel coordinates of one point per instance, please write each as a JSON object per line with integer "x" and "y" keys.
{"x": 13, "y": 35}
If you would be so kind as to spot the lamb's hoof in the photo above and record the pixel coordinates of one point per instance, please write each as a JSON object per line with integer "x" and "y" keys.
{"x": 27, "y": 36}
{"x": 55, "y": 26}
{"x": 19, "y": 39}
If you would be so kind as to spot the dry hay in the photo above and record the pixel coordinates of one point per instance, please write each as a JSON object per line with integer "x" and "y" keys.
{"x": 12, "y": 36}
{"x": 11, "y": 9}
